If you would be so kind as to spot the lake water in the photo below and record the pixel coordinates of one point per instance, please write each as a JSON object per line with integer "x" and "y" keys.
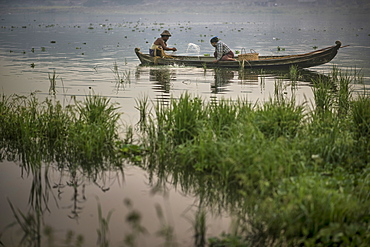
{"x": 83, "y": 50}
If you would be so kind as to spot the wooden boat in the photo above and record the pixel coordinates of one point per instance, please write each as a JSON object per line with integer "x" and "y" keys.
{"x": 305, "y": 60}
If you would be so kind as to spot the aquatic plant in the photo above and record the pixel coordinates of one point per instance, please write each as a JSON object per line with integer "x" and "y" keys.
{"x": 360, "y": 113}
{"x": 294, "y": 74}
{"x": 294, "y": 176}
{"x": 200, "y": 228}
{"x": 121, "y": 78}
{"x": 52, "y": 79}
{"x": 142, "y": 106}
{"x": 103, "y": 230}
{"x": 63, "y": 133}
{"x": 323, "y": 95}
{"x": 30, "y": 225}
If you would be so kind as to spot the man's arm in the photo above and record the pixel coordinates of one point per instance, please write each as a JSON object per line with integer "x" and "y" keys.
{"x": 164, "y": 46}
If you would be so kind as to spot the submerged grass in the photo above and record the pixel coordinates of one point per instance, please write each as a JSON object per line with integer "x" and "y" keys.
{"x": 296, "y": 177}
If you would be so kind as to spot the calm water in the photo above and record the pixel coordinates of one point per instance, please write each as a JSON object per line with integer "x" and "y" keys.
{"x": 83, "y": 49}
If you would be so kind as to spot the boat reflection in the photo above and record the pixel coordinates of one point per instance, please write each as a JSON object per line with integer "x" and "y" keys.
{"x": 223, "y": 81}
{"x": 222, "y": 77}
{"x": 161, "y": 79}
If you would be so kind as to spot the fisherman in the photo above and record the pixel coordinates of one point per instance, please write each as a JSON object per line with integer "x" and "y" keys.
{"x": 222, "y": 50}
{"x": 161, "y": 43}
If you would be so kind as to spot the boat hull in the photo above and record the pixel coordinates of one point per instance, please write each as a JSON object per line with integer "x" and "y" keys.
{"x": 305, "y": 60}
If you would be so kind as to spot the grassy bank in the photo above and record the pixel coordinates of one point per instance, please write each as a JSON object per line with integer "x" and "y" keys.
{"x": 294, "y": 176}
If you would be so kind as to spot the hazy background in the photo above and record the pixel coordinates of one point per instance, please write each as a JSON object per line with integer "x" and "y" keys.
{"x": 206, "y": 6}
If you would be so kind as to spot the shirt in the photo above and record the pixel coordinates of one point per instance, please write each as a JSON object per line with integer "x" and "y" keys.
{"x": 221, "y": 49}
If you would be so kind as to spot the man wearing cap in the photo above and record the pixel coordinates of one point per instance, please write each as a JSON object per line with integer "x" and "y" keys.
{"x": 222, "y": 50}
{"x": 161, "y": 43}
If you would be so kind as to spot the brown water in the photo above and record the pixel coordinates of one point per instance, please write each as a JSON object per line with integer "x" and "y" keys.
{"x": 83, "y": 49}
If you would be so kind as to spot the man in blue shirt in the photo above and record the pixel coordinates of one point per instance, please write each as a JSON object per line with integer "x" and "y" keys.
{"x": 222, "y": 50}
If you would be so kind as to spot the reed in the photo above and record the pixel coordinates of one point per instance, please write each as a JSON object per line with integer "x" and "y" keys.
{"x": 143, "y": 107}
{"x": 294, "y": 74}
{"x": 360, "y": 114}
{"x": 298, "y": 176}
{"x": 200, "y": 228}
{"x": 45, "y": 134}
{"x": 64, "y": 133}
{"x": 103, "y": 230}
{"x": 312, "y": 212}
{"x": 323, "y": 95}
{"x": 30, "y": 225}
{"x": 293, "y": 177}
{"x": 121, "y": 78}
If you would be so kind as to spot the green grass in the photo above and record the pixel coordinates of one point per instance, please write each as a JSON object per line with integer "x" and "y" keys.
{"x": 63, "y": 133}
{"x": 290, "y": 174}
{"x": 121, "y": 78}
{"x": 80, "y": 139}
{"x": 299, "y": 176}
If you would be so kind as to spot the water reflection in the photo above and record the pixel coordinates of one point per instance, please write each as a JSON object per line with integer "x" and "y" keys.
{"x": 222, "y": 77}
{"x": 167, "y": 82}
{"x": 248, "y": 76}
{"x": 67, "y": 179}
{"x": 162, "y": 78}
